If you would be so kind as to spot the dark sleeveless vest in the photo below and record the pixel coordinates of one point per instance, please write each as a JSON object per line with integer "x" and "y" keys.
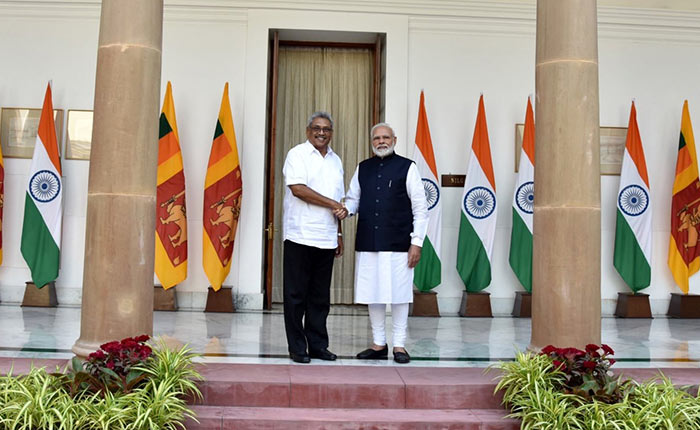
{"x": 385, "y": 219}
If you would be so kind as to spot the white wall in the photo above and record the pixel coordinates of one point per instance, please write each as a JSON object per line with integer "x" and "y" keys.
{"x": 453, "y": 52}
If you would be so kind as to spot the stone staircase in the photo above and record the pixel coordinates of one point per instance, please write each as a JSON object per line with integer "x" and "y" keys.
{"x": 247, "y": 396}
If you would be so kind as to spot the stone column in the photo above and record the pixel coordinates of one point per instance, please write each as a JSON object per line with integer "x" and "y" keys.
{"x": 566, "y": 255}
{"x": 119, "y": 241}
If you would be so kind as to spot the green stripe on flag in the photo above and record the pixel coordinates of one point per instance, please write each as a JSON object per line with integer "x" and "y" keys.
{"x": 629, "y": 259}
{"x": 164, "y": 127}
{"x": 426, "y": 275}
{"x": 473, "y": 264}
{"x": 38, "y": 247}
{"x": 520, "y": 258}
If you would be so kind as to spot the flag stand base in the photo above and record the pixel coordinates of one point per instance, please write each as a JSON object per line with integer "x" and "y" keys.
{"x": 164, "y": 300}
{"x": 684, "y": 306}
{"x": 631, "y": 305}
{"x": 522, "y": 308}
{"x": 476, "y": 305}
{"x": 424, "y": 304}
{"x": 40, "y": 297}
{"x": 220, "y": 301}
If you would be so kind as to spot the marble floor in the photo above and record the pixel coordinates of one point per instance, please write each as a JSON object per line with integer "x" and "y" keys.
{"x": 258, "y": 337}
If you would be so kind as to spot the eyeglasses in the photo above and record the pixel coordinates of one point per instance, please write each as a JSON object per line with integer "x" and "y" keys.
{"x": 323, "y": 129}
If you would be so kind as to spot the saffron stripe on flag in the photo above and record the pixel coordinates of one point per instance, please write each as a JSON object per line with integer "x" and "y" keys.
{"x": 428, "y": 272}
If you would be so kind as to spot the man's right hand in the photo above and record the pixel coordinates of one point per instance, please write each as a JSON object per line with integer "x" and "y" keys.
{"x": 341, "y": 212}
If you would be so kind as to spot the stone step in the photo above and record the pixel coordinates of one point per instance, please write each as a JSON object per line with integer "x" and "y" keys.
{"x": 369, "y": 387}
{"x": 263, "y": 418}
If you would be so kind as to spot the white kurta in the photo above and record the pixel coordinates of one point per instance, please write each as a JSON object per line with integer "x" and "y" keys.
{"x": 384, "y": 277}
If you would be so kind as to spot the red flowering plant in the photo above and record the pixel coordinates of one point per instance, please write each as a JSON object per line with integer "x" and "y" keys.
{"x": 114, "y": 367}
{"x": 587, "y": 373}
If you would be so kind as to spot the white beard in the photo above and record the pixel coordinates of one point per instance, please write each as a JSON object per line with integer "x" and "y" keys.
{"x": 381, "y": 153}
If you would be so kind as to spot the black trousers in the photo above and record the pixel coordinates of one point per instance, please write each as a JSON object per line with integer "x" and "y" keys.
{"x": 307, "y": 296}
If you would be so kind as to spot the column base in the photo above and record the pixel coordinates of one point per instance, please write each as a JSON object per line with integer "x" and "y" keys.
{"x": 83, "y": 349}
{"x": 424, "y": 304}
{"x": 684, "y": 306}
{"x": 220, "y": 301}
{"x": 476, "y": 305}
{"x": 633, "y": 305}
{"x": 164, "y": 300}
{"x": 44, "y": 297}
{"x": 522, "y": 308}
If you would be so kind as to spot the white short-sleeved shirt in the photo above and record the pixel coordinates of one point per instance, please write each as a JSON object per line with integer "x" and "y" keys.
{"x": 305, "y": 223}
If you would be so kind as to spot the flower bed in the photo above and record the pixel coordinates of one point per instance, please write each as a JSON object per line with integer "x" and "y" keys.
{"x": 571, "y": 389}
{"x": 125, "y": 385}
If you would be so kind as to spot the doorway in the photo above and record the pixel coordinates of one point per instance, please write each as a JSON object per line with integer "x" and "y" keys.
{"x": 344, "y": 79}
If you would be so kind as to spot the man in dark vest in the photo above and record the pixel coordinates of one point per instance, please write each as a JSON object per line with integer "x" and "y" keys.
{"x": 387, "y": 194}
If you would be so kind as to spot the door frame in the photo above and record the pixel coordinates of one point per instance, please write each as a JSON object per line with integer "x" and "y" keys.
{"x": 275, "y": 43}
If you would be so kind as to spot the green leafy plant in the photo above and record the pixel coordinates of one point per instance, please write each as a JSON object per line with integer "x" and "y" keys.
{"x": 536, "y": 392}
{"x": 41, "y": 400}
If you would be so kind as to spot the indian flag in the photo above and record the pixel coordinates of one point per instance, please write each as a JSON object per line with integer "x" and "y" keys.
{"x": 632, "y": 257}
{"x": 523, "y": 204}
{"x": 43, "y": 205}
{"x": 477, "y": 226}
{"x": 427, "y": 273}
{"x": 683, "y": 249}
{"x": 171, "y": 213}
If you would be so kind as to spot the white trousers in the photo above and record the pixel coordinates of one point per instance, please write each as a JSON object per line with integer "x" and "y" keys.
{"x": 399, "y": 317}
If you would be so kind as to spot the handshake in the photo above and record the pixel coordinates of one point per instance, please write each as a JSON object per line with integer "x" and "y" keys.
{"x": 340, "y": 211}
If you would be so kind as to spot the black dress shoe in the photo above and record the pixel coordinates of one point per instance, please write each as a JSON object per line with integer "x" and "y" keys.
{"x": 299, "y": 358}
{"x": 401, "y": 357}
{"x": 373, "y": 354}
{"x": 323, "y": 354}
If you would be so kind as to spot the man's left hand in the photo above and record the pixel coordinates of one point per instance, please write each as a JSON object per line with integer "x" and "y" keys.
{"x": 413, "y": 256}
{"x": 339, "y": 249}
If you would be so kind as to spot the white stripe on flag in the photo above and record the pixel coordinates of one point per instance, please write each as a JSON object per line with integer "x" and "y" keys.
{"x": 50, "y": 211}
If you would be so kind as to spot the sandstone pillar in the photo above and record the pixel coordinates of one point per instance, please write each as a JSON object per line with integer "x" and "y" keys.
{"x": 566, "y": 255}
{"x": 119, "y": 243}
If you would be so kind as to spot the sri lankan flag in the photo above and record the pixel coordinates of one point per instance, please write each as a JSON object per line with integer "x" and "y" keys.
{"x": 171, "y": 214}
{"x": 222, "y": 198}
{"x": 683, "y": 249}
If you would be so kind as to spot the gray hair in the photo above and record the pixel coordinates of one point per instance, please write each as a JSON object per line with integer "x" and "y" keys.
{"x": 320, "y": 114}
{"x": 381, "y": 124}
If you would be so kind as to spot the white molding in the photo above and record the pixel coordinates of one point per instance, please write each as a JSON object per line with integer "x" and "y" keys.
{"x": 507, "y": 18}
{"x": 204, "y": 11}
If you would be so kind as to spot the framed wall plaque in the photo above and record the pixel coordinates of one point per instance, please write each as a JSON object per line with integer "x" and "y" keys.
{"x": 612, "y": 148}
{"x": 18, "y": 130}
{"x": 78, "y": 134}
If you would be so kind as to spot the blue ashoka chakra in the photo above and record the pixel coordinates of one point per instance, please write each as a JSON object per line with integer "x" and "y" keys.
{"x": 525, "y": 197}
{"x": 479, "y": 202}
{"x": 44, "y": 186}
{"x": 432, "y": 193}
{"x": 633, "y": 200}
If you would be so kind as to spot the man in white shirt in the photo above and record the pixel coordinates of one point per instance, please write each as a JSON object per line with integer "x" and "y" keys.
{"x": 387, "y": 193}
{"x": 313, "y": 174}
